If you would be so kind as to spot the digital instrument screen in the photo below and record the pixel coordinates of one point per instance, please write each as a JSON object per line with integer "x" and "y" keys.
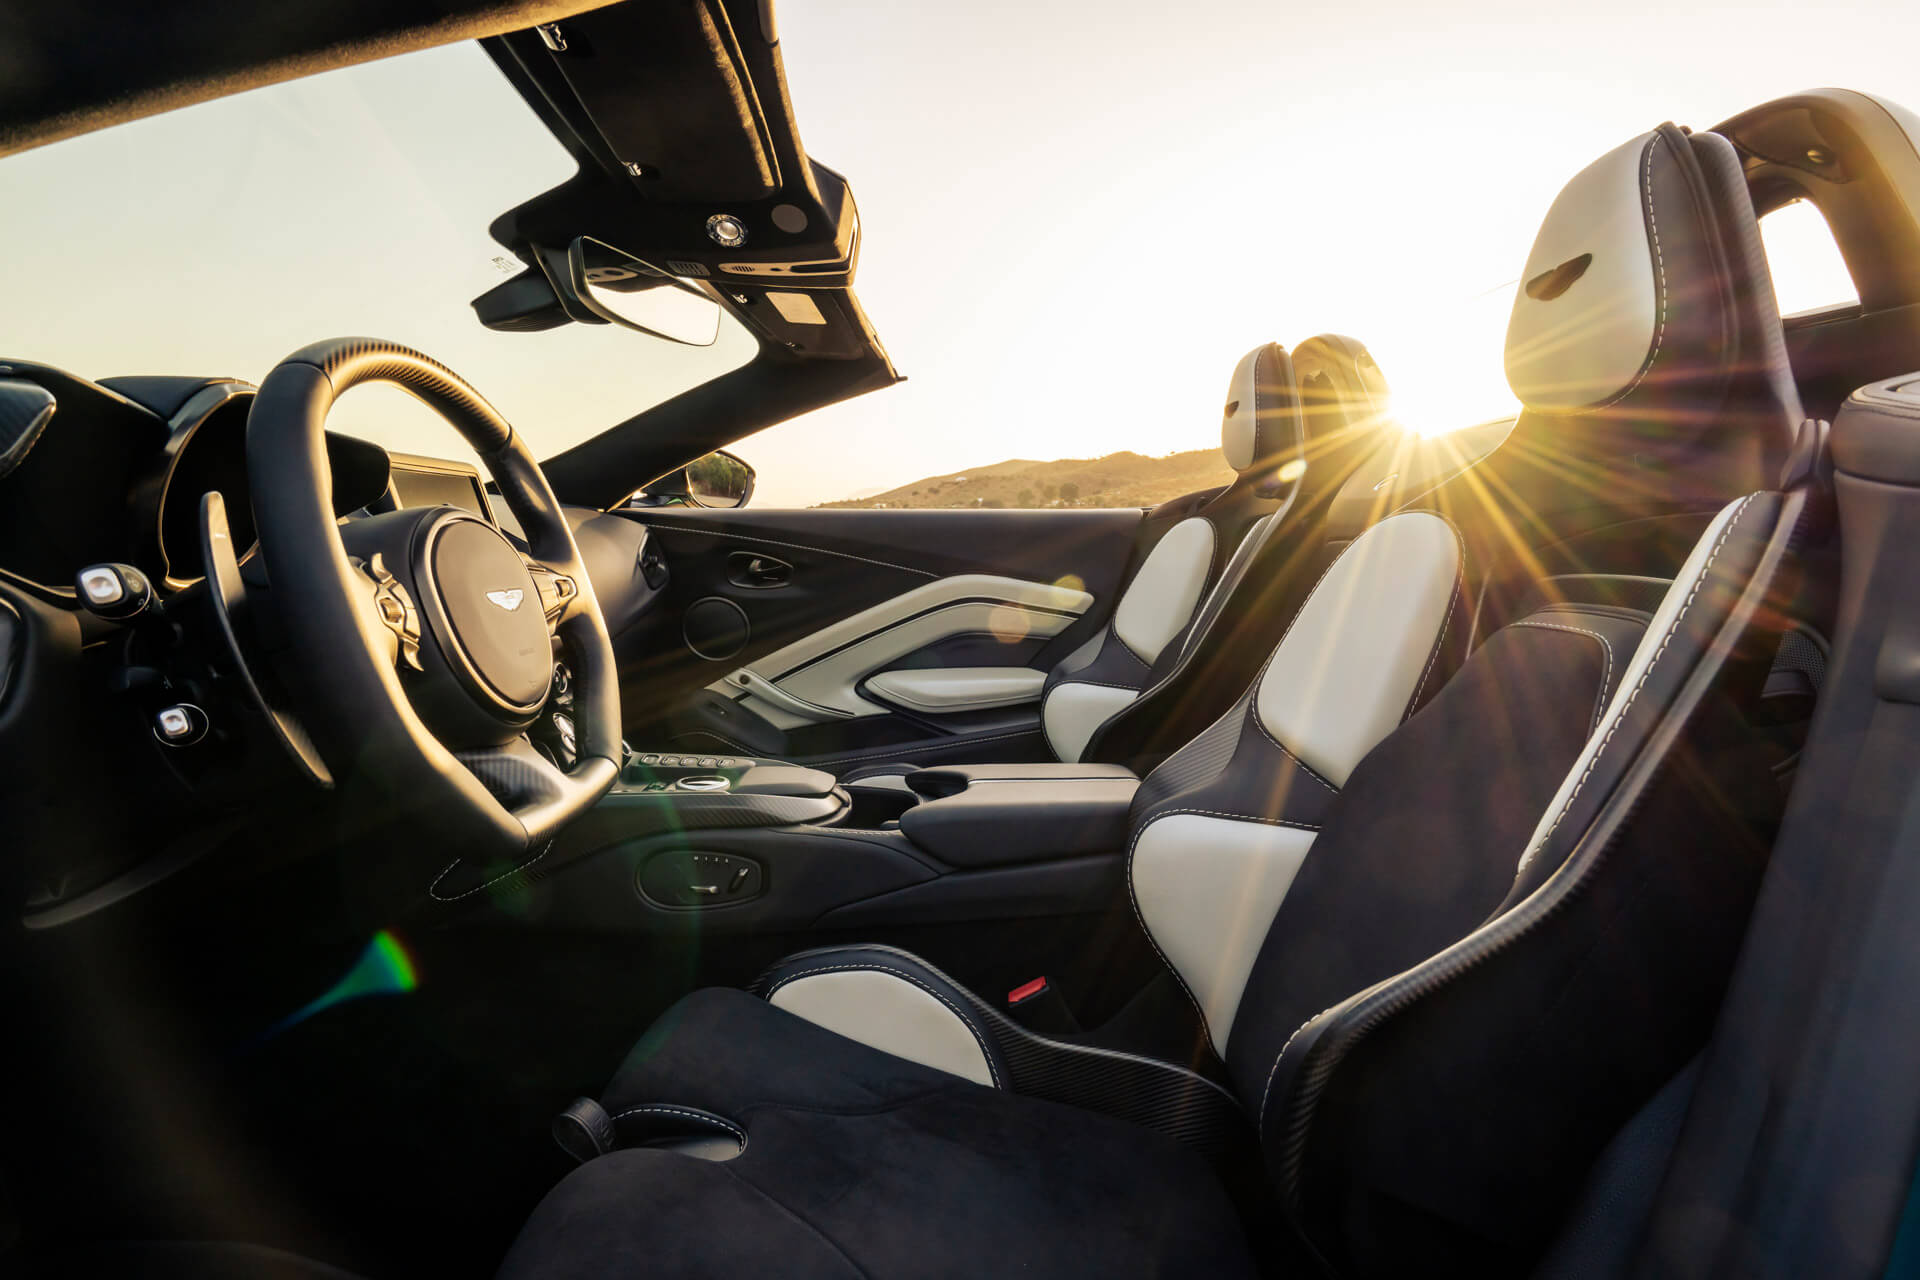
{"x": 420, "y": 482}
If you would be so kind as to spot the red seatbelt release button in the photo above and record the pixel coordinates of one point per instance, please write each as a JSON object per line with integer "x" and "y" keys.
{"x": 1027, "y": 991}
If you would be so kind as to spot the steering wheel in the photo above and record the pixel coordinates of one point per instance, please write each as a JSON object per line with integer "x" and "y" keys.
{"x": 421, "y": 639}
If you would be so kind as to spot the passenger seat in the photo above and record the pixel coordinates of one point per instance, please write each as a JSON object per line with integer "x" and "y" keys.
{"x": 1285, "y": 468}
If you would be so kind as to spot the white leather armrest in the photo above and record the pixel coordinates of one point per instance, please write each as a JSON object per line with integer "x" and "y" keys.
{"x": 959, "y": 688}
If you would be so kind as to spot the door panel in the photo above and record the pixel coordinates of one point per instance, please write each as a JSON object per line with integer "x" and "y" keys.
{"x": 823, "y": 671}
{"x": 772, "y": 624}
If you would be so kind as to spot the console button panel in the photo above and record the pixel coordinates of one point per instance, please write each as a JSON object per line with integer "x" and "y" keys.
{"x": 690, "y": 879}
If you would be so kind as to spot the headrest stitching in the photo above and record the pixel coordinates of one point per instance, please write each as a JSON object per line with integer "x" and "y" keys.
{"x": 1275, "y": 404}
{"x": 1660, "y": 277}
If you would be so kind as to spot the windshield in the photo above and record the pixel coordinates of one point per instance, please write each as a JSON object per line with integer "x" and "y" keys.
{"x": 217, "y": 239}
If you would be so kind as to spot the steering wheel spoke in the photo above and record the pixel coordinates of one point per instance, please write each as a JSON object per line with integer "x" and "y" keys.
{"x": 560, "y": 597}
{"x": 539, "y": 794}
{"x": 517, "y": 773}
{"x": 394, "y": 606}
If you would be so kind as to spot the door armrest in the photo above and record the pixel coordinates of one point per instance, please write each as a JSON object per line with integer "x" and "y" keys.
{"x": 947, "y": 689}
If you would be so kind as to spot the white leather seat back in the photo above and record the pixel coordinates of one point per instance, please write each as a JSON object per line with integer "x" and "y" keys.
{"x": 1262, "y": 438}
{"x": 1352, "y": 660}
{"x": 1155, "y": 607}
{"x": 1223, "y": 826}
{"x": 1161, "y": 597}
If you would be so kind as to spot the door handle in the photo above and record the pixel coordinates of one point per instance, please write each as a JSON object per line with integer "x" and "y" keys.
{"x": 757, "y": 570}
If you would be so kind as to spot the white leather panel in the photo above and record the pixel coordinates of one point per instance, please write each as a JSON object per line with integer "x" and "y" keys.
{"x": 1208, "y": 889}
{"x": 1073, "y": 711}
{"x": 891, "y": 1015}
{"x": 1163, "y": 593}
{"x": 873, "y": 638}
{"x": 834, "y": 681}
{"x": 1651, "y": 643}
{"x": 959, "y": 688}
{"x": 1592, "y": 342}
{"x": 1360, "y": 646}
{"x": 1237, "y": 427}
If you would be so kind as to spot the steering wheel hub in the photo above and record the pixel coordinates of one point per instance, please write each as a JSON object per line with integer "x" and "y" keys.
{"x": 483, "y": 608}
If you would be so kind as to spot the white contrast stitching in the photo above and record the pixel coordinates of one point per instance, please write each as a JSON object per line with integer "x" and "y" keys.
{"x": 1288, "y": 752}
{"x": 1660, "y": 270}
{"x": 904, "y": 976}
{"x": 1606, "y": 678}
{"x": 1705, "y": 572}
{"x": 1274, "y": 1070}
{"x": 516, "y": 869}
{"x": 1453, "y": 603}
{"x": 700, "y": 1117}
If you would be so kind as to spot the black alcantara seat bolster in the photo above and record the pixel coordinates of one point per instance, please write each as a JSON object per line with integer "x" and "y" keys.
{"x": 1619, "y": 935}
{"x": 1195, "y": 1109}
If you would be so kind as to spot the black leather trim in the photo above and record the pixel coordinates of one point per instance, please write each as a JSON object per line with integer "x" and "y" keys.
{"x": 25, "y": 410}
{"x": 641, "y": 1123}
{"x": 951, "y": 779}
{"x": 1005, "y": 821}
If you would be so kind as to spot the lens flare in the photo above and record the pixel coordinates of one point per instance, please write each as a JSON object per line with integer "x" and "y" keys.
{"x": 383, "y": 969}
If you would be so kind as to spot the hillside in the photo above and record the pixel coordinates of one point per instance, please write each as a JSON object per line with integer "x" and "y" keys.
{"x": 1117, "y": 480}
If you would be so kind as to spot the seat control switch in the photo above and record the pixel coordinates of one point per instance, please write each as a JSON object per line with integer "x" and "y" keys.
{"x": 691, "y": 879}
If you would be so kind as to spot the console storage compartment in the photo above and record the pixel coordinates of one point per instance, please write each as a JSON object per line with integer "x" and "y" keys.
{"x": 1002, "y": 814}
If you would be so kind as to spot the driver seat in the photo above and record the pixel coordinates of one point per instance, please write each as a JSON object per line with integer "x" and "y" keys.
{"x": 1457, "y": 907}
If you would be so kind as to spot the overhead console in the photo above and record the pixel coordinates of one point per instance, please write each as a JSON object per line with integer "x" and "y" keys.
{"x": 690, "y": 160}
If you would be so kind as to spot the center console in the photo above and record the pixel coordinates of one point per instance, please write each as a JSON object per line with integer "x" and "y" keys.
{"x": 687, "y": 841}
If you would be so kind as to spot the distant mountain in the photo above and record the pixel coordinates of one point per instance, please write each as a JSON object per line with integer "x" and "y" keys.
{"x": 1117, "y": 480}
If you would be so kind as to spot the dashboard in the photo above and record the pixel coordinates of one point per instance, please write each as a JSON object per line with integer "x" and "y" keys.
{"x": 119, "y": 470}
{"x": 114, "y": 472}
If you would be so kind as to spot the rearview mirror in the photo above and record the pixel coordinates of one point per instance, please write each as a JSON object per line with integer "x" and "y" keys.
{"x": 621, "y": 289}
{"x": 719, "y": 480}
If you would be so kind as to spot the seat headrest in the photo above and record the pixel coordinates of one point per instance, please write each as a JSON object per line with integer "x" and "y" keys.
{"x": 1261, "y": 430}
{"x": 1341, "y": 387}
{"x": 1647, "y": 299}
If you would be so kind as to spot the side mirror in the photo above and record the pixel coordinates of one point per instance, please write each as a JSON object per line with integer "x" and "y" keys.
{"x": 719, "y": 480}
{"x": 619, "y": 288}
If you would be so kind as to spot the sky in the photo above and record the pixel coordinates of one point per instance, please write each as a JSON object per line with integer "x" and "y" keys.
{"x": 1075, "y": 216}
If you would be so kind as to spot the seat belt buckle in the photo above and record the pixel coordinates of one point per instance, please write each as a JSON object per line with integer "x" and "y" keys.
{"x": 1038, "y": 1007}
{"x": 1027, "y": 991}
